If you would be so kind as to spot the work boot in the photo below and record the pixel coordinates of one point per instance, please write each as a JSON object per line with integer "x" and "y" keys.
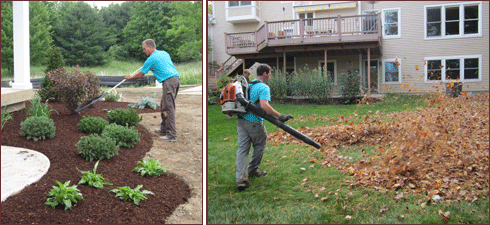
{"x": 242, "y": 185}
{"x": 160, "y": 132}
{"x": 258, "y": 173}
{"x": 167, "y": 139}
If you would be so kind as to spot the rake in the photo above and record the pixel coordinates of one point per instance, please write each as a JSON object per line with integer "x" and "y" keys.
{"x": 94, "y": 100}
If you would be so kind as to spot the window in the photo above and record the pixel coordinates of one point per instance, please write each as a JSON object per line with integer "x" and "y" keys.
{"x": 453, "y": 20}
{"x": 392, "y": 71}
{"x": 307, "y": 16}
{"x": 456, "y": 68}
{"x": 391, "y": 23}
{"x": 331, "y": 69}
{"x": 239, "y": 3}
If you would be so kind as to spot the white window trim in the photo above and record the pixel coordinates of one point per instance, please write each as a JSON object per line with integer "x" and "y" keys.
{"x": 240, "y": 6}
{"x": 399, "y": 71}
{"x": 461, "y": 69}
{"x": 334, "y": 68}
{"x": 399, "y": 35}
{"x": 461, "y": 23}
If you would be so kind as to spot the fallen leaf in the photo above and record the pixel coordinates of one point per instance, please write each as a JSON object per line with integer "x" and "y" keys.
{"x": 306, "y": 179}
{"x": 384, "y": 209}
{"x": 348, "y": 217}
{"x": 276, "y": 198}
{"x": 302, "y": 168}
{"x": 324, "y": 198}
{"x": 226, "y": 139}
{"x": 423, "y": 205}
{"x": 322, "y": 189}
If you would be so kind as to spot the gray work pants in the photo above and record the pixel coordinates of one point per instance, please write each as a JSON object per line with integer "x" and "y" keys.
{"x": 249, "y": 133}
{"x": 170, "y": 88}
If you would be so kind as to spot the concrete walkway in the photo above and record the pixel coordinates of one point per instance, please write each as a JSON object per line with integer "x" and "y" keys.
{"x": 20, "y": 168}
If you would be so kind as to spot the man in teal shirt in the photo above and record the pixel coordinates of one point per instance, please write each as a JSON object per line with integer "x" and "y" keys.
{"x": 251, "y": 130}
{"x": 160, "y": 63}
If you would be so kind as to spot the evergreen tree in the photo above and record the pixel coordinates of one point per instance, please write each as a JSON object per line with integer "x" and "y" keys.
{"x": 54, "y": 59}
{"x": 149, "y": 20}
{"x": 39, "y": 32}
{"x": 186, "y": 30}
{"x": 7, "y": 38}
{"x": 82, "y": 35}
{"x": 116, "y": 16}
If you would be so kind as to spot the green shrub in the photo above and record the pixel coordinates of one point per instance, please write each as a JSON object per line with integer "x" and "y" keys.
{"x": 37, "y": 128}
{"x": 93, "y": 179}
{"x": 127, "y": 194}
{"x": 310, "y": 83}
{"x": 124, "y": 136}
{"x": 113, "y": 96}
{"x": 5, "y": 116}
{"x": 150, "y": 167}
{"x": 278, "y": 86}
{"x": 146, "y": 102}
{"x": 63, "y": 195}
{"x": 124, "y": 117}
{"x": 350, "y": 83}
{"x": 117, "y": 52}
{"x": 55, "y": 59}
{"x": 74, "y": 87}
{"x": 38, "y": 108}
{"x": 95, "y": 147}
{"x": 92, "y": 124}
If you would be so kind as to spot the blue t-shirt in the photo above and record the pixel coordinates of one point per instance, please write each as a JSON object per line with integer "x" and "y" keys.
{"x": 161, "y": 65}
{"x": 258, "y": 92}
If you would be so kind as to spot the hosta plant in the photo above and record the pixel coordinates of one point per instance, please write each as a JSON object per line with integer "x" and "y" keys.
{"x": 149, "y": 167}
{"x": 95, "y": 147}
{"x": 146, "y": 102}
{"x": 5, "y": 116}
{"x": 37, "y": 128}
{"x": 127, "y": 194}
{"x": 93, "y": 179}
{"x": 123, "y": 117}
{"x": 92, "y": 124}
{"x": 113, "y": 96}
{"x": 63, "y": 195}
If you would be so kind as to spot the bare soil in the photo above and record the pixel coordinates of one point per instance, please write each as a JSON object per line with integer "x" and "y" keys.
{"x": 178, "y": 193}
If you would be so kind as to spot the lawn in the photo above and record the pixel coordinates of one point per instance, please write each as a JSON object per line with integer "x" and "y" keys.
{"x": 190, "y": 72}
{"x": 306, "y": 185}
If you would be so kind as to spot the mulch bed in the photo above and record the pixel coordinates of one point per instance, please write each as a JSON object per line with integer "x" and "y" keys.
{"x": 100, "y": 205}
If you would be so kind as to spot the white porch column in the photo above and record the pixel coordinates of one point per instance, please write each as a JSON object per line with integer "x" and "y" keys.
{"x": 22, "y": 63}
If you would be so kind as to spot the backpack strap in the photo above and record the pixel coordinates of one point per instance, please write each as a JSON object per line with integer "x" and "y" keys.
{"x": 254, "y": 82}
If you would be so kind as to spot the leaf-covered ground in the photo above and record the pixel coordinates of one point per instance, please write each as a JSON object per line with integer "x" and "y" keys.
{"x": 441, "y": 149}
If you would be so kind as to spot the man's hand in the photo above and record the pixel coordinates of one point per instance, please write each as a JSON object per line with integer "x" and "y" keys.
{"x": 284, "y": 118}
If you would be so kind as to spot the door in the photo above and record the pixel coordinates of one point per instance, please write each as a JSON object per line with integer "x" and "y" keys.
{"x": 373, "y": 74}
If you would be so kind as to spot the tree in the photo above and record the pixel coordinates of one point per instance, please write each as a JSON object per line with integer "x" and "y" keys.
{"x": 186, "y": 32}
{"x": 7, "y": 37}
{"x": 116, "y": 16}
{"x": 148, "y": 20}
{"x": 39, "y": 32}
{"x": 82, "y": 35}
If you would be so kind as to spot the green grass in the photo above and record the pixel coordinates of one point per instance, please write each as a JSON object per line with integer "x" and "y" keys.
{"x": 283, "y": 197}
{"x": 190, "y": 72}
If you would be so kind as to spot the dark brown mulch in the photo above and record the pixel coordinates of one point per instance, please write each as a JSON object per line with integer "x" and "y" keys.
{"x": 100, "y": 205}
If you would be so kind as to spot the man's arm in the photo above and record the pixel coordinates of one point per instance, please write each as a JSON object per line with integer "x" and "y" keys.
{"x": 264, "y": 104}
{"x": 135, "y": 77}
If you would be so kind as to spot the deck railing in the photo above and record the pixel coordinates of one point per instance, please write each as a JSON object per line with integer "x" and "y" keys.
{"x": 304, "y": 30}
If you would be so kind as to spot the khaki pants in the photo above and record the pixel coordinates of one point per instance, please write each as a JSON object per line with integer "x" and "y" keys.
{"x": 170, "y": 90}
{"x": 249, "y": 134}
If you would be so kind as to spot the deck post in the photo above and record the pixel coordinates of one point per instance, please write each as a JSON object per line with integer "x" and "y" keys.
{"x": 301, "y": 29}
{"x": 267, "y": 33}
{"x": 284, "y": 62}
{"x": 325, "y": 67}
{"x": 339, "y": 28}
{"x": 369, "y": 70}
{"x": 277, "y": 66}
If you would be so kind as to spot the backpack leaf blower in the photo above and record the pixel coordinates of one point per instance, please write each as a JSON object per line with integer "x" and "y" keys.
{"x": 234, "y": 100}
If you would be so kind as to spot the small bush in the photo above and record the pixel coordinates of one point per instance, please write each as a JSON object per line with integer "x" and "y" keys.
{"x": 92, "y": 179}
{"x": 350, "y": 83}
{"x": 127, "y": 194}
{"x": 146, "y": 102}
{"x": 113, "y": 96}
{"x": 38, "y": 108}
{"x": 95, "y": 147}
{"x": 150, "y": 168}
{"x": 37, "y": 128}
{"x": 124, "y": 117}
{"x": 75, "y": 87}
{"x": 310, "y": 83}
{"x": 63, "y": 195}
{"x": 124, "y": 136}
{"x": 92, "y": 124}
{"x": 55, "y": 59}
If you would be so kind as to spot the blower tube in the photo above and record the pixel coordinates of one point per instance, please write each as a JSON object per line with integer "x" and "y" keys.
{"x": 249, "y": 105}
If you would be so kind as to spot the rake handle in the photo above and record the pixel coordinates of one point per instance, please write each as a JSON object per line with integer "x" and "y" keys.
{"x": 132, "y": 74}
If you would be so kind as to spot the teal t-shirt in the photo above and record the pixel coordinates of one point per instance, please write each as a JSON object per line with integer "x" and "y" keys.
{"x": 160, "y": 63}
{"x": 258, "y": 92}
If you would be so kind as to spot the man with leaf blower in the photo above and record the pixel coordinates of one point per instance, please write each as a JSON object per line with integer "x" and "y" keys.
{"x": 251, "y": 130}
{"x": 160, "y": 63}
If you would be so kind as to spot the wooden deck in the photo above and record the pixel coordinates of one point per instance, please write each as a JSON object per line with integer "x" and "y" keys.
{"x": 319, "y": 31}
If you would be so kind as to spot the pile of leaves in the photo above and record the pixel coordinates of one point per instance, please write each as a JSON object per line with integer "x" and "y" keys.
{"x": 440, "y": 149}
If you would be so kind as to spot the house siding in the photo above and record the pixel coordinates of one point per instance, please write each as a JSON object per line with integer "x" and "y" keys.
{"x": 411, "y": 48}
